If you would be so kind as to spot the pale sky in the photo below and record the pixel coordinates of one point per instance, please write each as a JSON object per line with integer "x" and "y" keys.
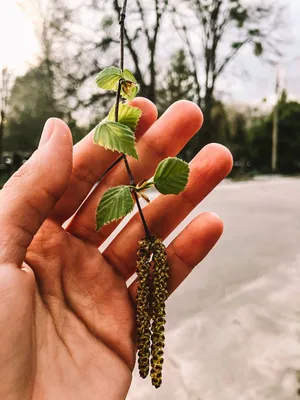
{"x": 19, "y": 46}
{"x": 19, "y": 50}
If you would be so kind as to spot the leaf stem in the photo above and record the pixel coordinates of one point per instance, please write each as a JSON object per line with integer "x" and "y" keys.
{"x": 118, "y": 99}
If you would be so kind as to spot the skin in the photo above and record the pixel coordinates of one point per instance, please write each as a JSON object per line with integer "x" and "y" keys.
{"x": 67, "y": 318}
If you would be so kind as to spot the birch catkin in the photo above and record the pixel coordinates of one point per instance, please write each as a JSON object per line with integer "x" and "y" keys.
{"x": 159, "y": 297}
{"x": 143, "y": 306}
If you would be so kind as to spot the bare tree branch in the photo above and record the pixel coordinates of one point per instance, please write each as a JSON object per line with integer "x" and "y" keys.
{"x": 143, "y": 19}
{"x": 185, "y": 38}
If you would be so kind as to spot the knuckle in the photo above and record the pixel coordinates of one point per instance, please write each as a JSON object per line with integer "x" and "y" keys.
{"x": 84, "y": 174}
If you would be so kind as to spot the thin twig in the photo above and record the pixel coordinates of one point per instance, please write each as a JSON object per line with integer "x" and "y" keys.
{"x": 112, "y": 166}
{"x": 118, "y": 99}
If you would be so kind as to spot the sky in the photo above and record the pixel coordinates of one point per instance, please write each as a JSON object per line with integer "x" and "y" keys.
{"x": 19, "y": 46}
{"x": 19, "y": 50}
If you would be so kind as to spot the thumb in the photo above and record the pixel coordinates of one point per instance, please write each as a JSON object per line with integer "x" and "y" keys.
{"x": 32, "y": 192}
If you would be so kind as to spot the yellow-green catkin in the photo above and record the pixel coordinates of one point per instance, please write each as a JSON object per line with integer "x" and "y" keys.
{"x": 159, "y": 296}
{"x": 143, "y": 316}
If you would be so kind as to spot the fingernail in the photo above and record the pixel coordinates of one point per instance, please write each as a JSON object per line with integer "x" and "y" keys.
{"x": 47, "y": 131}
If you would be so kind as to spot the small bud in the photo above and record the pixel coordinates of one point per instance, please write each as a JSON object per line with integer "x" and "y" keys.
{"x": 127, "y": 87}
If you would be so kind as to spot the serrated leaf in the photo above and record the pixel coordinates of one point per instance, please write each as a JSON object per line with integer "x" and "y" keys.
{"x": 129, "y": 86}
{"x": 128, "y": 116}
{"x": 116, "y": 203}
{"x": 128, "y": 76}
{"x": 171, "y": 176}
{"x": 116, "y": 137}
{"x": 109, "y": 78}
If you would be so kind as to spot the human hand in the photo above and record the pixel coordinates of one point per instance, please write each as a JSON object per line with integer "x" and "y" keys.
{"x": 67, "y": 319}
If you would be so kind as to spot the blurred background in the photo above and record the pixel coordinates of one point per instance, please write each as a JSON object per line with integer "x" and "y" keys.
{"x": 234, "y": 328}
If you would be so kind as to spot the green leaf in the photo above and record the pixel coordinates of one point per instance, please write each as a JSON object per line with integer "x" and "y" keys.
{"x": 129, "y": 86}
{"x": 258, "y": 49}
{"x": 171, "y": 176}
{"x": 236, "y": 45}
{"x": 116, "y": 203}
{"x": 109, "y": 78}
{"x": 128, "y": 76}
{"x": 128, "y": 116}
{"x": 254, "y": 32}
{"x": 116, "y": 137}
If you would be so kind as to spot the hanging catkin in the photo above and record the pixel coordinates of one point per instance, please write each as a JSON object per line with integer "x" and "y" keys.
{"x": 143, "y": 306}
{"x": 159, "y": 296}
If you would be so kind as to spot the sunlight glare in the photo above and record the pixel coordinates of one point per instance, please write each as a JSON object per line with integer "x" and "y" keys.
{"x": 19, "y": 46}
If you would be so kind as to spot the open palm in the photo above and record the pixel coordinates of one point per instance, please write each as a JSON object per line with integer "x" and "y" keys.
{"x": 67, "y": 318}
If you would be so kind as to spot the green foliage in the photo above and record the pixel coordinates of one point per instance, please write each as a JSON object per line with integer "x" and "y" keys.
{"x": 258, "y": 49}
{"x": 116, "y": 137}
{"x": 177, "y": 84}
{"x": 171, "y": 176}
{"x": 116, "y": 203}
{"x": 116, "y": 132}
{"x": 129, "y": 86}
{"x": 254, "y": 32}
{"x": 107, "y": 22}
{"x": 239, "y": 141}
{"x": 109, "y": 78}
{"x": 236, "y": 45}
{"x": 288, "y": 139}
{"x": 239, "y": 14}
{"x": 31, "y": 103}
{"x": 127, "y": 115}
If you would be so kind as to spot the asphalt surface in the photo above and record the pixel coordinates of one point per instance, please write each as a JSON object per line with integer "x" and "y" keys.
{"x": 234, "y": 325}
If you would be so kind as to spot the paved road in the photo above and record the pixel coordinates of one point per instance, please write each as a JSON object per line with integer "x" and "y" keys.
{"x": 234, "y": 326}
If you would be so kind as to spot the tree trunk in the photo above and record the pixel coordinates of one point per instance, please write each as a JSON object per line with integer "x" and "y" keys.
{"x": 152, "y": 87}
{"x": 207, "y": 132}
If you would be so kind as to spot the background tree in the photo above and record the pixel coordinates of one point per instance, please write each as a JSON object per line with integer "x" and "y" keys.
{"x": 44, "y": 14}
{"x": 75, "y": 47}
{"x": 149, "y": 24}
{"x": 92, "y": 44}
{"x": 288, "y": 139}
{"x": 239, "y": 141}
{"x": 177, "y": 83}
{"x": 215, "y": 31}
{"x": 224, "y": 28}
{"x": 31, "y": 104}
